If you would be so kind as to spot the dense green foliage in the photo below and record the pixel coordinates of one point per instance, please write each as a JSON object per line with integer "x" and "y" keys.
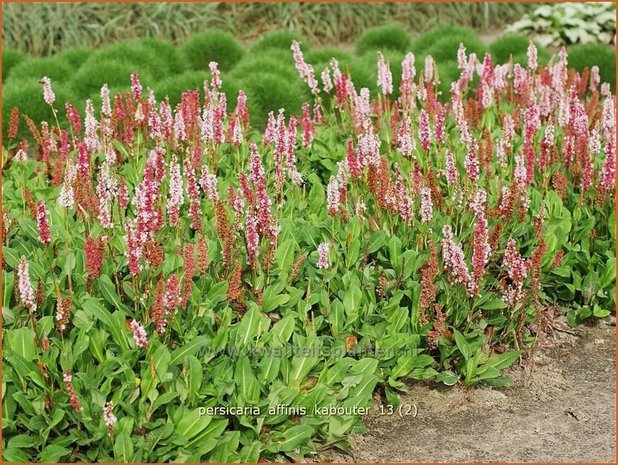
{"x": 209, "y": 46}
{"x": 384, "y": 38}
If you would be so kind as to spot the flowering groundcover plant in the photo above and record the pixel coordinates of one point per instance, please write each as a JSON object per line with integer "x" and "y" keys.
{"x": 158, "y": 261}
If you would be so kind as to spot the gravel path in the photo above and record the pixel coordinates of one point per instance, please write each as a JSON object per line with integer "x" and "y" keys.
{"x": 563, "y": 411}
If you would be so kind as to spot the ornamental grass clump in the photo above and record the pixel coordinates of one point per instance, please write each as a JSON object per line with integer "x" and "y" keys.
{"x": 305, "y": 243}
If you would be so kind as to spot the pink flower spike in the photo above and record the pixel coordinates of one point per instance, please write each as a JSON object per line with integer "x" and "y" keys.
{"x": 139, "y": 334}
{"x": 323, "y": 251}
{"x": 26, "y": 293}
{"x": 43, "y": 224}
{"x": 48, "y": 93}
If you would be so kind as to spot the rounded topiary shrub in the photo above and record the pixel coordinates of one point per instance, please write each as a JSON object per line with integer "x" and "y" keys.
{"x": 267, "y": 92}
{"x": 320, "y": 58}
{"x": 93, "y": 74}
{"x": 172, "y": 57}
{"x": 589, "y": 55}
{"x": 428, "y": 38}
{"x": 209, "y": 46}
{"x": 136, "y": 55}
{"x": 230, "y": 87}
{"x": 10, "y": 59}
{"x": 280, "y": 40}
{"x": 543, "y": 57}
{"x": 28, "y": 97}
{"x": 76, "y": 57}
{"x": 174, "y": 86}
{"x": 508, "y": 44}
{"x": 448, "y": 72}
{"x": 279, "y": 62}
{"x": 31, "y": 70}
{"x": 384, "y": 38}
{"x": 445, "y": 49}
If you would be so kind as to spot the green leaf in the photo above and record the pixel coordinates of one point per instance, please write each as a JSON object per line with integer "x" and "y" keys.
{"x": 108, "y": 291}
{"x": 189, "y": 348}
{"x": 115, "y": 323}
{"x": 245, "y": 379}
{"x": 291, "y": 439}
{"x": 23, "y": 343}
{"x": 463, "y": 345}
{"x": 283, "y": 329}
{"x": 123, "y": 447}
{"x": 249, "y": 327}
{"x": 10, "y": 256}
{"x": 251, "y": 452}
{"x": 504, "y": 360}
{"x": 284, "y": 257}
{"x": 192, "y": 424}
{"x": 494, "y": 304}
{"x": 53, "y": 453}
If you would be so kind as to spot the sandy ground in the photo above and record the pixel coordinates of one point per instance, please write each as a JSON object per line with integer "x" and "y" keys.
{"x": 561, "y": 410}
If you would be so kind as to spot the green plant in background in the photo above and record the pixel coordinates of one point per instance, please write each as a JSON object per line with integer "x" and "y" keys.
{"x": 31, "y": 70}
{"x": 384, "y": 38}
{"x": 589, "y": 55}
{"x": 26, "y": 96}
{"x": 273, "y": 60}
{"x": 10, "y": 59}
{"x": 570, "y": 23}
{"x": 427, "y": 39}
{"x": 267, "y": 91}
{"x": 75, "y": 56}
{"x": 94, "y": 73}
{"x": 209, "y": 46}
{"x": 506, "y": 45}
{"x": 165, "y": 51}
{"x": 138, "y": 55}
{"x": 173, "y": 86}
{"x": 321, "y": 57}
{"x": 445, "y": 48}
{"x": 279, "y": 40}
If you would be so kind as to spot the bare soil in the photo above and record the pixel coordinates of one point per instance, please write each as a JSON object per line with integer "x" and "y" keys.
{"x": 560, "y": 408}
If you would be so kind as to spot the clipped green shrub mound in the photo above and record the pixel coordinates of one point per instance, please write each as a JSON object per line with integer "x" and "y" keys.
{"x": 270, "y": 91}
{"x": 384, "y": 38}
{"x": 136, "y": 55}
{"x": 231, "y": 86}
{"x": 279, "y": 62}
{"x": 28, "y": 97}
{"x": 279, "y": 40}
{"x": 93, "y": 74}
{"x": 31, "y": 70}
{"x": 508, "y": 44}
{"x": 320, "y": 58}
{"x": 10, "y": 59}
{"x": 445, "y": 49}
{"x": 174, "y": 86}
{"x": 209, "y": 46}
{"x": 448, "y": 72}
{"x": 76, "y": 57}
{"x": 171, "y": 56}
{"x": 428, "y": 39}
{"x": 588, "y": 55}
